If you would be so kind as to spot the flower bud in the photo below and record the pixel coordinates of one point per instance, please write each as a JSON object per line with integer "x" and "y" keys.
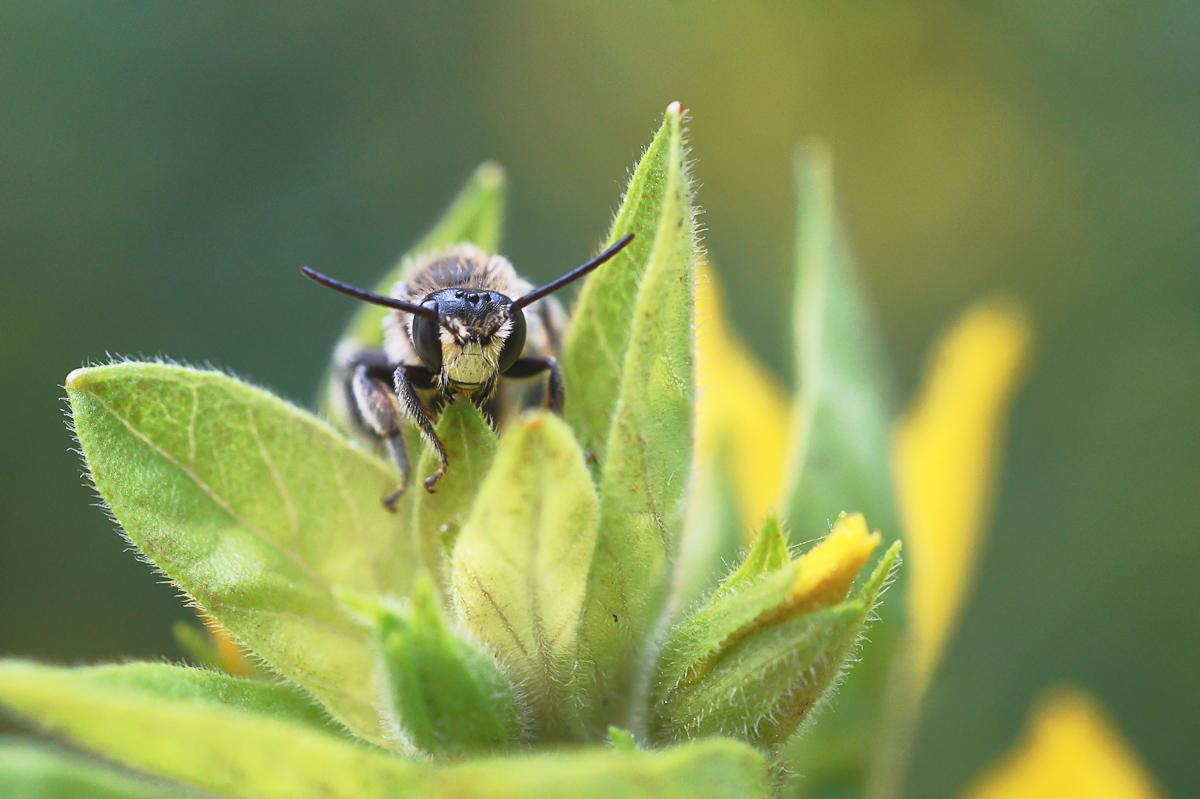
{"x": 764, "y": 650}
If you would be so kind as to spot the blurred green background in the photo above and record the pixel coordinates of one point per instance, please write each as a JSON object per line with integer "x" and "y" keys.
{"x": 166, "y": 168}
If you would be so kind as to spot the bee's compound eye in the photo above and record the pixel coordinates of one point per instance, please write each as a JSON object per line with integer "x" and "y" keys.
{"x": 427, "y": 341}
{"x": 515, "y": 342}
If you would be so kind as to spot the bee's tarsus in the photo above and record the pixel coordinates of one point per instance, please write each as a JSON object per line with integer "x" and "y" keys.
{"x": 391, "y": 499}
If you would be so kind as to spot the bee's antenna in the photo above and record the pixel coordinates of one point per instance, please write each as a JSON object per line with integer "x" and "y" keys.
{"x": 387, "y": 302}
{"x": 572, "y": 276}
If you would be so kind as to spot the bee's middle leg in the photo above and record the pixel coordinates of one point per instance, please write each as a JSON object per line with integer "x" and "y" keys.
{"x": 412, "y": 407}
{"x": 528, "y": 367}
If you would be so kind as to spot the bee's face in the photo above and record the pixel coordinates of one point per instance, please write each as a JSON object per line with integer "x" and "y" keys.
{"x": 477, "y": 335}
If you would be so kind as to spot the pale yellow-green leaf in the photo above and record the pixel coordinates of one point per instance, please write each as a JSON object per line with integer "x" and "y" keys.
{"x": 195, "y": 741}
{"x": 258, "y": 510}
{"x": 839, "y": 460}
{"x": 29, "y": 771}
{"x": 645, "y": 475}
{"x": 713, "y": 769}
{"x": 520, "y": 565}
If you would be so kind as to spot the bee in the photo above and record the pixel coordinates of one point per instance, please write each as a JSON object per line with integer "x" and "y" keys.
{"x": 454, "y": 330}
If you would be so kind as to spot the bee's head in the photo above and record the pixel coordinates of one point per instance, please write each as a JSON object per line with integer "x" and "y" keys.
{"x": 472, "y": 332}
{"x": 484, "y": 321}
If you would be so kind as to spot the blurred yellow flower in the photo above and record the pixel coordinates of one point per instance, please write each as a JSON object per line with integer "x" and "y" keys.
{"x": 1070, "y": 751}
{"x": 946, "y": 454}
{"x": 739, "y": 402}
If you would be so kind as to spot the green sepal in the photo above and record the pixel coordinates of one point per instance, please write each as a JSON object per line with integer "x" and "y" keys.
{"x": 439, "y": 517}
{"x": 520, "y": 565}
{"x": 29, "y": 771}
{"x": 768, "y": 554}
{"x": 255, "y": 508}
{"x": 622, "y": 740}
{"x": 447, "y": 698}
{"x": 745, "y": 666}
{"x": 200, "y": 739}
{"x": 647, "y": 463}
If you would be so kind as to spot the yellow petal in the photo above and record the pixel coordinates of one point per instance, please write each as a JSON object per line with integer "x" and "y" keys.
{"x": 230, "y": 657}
{"x": 946, "y": 456}
{"x": 825, "y": 573}
{"x": 738, "y": 399}
{"x": 1070, "y": 751}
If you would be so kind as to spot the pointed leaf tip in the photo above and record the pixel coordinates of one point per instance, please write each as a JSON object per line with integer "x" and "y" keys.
{"x": 448, "y": 698}
{"x": 255, "y": 508}
{"x": 632, "y": 347}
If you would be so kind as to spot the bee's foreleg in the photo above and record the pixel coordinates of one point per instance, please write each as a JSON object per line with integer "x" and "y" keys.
{"x": 376, "y": 407}
{"x": 528, "y": 367}
{"x": 412, "y": 407}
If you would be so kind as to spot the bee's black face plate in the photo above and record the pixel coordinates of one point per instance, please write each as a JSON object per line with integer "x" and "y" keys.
{"x": 480, "y": 312}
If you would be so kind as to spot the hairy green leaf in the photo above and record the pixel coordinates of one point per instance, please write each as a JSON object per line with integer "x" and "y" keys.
{"x": 520, "y": 566}
{"x": 712, "y": 769}
{"x": 438, "y": 518}
{"x": 256, "y": 509}
{"x": 593, "y": 357}
{"x": 476, "y": 215}
{"x": 195, "y": 740}
{"x": 28, "y": 771}
{"x": 645, "y": 475}
{"x": 447, "y": 697}
{"x": 283, "y": 701}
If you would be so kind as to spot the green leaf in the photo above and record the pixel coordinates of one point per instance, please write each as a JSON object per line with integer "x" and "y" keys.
{"x": 840, "y": 455}
{"x": 476, "y": 215}
{"x": 438, "y": 518}
{"x": 593, "y": 356}
{"x": 256, "y": 509}
{"x": 520, "y": 565}
{"x": 840, "y": 460}
{"x": 197, "y": 740}
{"x": 647, "y": 469}
{"x": 39, "y": 772}
{"x": 448, "y": 698}
{"x": 283, "y": 701}
{"x": 713, "y": 769}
